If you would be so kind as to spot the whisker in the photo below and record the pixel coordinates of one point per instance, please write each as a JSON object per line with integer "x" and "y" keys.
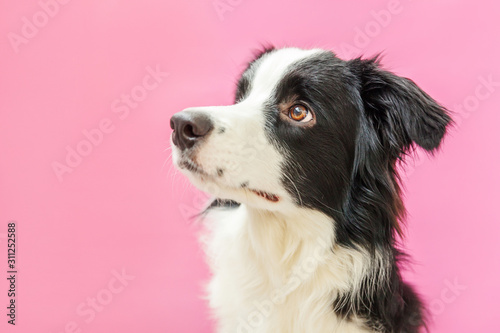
{"x": 296, "y": 189}
{"x": 330, "y": 208}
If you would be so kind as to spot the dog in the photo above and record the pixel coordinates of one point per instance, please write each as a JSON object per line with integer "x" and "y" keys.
{"x": 302, "y": 234}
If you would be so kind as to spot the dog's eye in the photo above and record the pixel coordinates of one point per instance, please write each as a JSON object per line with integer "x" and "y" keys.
{"x": 300, "y": 113}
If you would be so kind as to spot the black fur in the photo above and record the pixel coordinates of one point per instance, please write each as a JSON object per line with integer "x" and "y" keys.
{"x": 220, "y": 203}
{"x": 243, "y": 84}
{"x": 345, "y": 166}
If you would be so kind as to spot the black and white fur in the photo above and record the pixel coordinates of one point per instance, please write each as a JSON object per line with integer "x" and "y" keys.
{"x": 302, "y": 233}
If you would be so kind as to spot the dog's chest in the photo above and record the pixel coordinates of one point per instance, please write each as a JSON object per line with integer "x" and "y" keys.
{"x": 275, "y": 274}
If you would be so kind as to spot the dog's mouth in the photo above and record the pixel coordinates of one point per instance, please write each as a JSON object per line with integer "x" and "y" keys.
{"x": 268, "y": 196}
{"x": 194, "y": 167}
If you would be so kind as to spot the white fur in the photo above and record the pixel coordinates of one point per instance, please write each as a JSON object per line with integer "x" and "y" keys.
{"x": 279, "y": 273}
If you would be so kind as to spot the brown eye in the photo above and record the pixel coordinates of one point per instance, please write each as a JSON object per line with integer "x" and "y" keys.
{"x": 300, "y": 113}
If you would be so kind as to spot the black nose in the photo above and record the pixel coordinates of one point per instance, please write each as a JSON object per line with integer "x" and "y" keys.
{"x": 189, "y": 127}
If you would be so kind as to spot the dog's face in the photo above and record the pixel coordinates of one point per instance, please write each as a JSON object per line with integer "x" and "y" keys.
{"x": 303, "y": 124}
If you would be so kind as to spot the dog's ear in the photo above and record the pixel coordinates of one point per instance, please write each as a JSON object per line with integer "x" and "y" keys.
{"x": 398, "y": 109}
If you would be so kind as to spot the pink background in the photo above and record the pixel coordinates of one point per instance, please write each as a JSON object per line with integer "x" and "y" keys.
{"x": 124, "y": 207}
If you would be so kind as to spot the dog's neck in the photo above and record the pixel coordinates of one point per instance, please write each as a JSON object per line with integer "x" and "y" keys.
{"x": 280, "y": 242}
{"x": 284, "y": 228}
{"x": 279, "y": 257}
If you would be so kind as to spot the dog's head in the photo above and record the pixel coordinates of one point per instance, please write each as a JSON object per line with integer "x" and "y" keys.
{"x": 306, "y": 130}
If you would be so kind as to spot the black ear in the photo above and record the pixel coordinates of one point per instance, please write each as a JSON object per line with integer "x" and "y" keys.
{"x": 399, "y": 110}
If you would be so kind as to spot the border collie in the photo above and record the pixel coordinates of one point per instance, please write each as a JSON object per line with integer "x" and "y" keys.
{"x": 302, "y": 234}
